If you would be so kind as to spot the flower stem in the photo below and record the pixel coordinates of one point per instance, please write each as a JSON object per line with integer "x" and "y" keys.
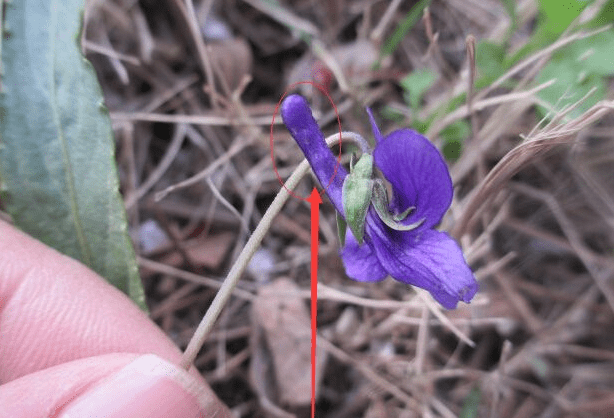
{"x": 236, "y": 271}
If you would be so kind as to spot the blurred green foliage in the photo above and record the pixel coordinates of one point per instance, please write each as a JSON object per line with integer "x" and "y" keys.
{"x": 415, "y": 84}
{"x": 454, "y": 135}
{"x": 471, "y": 405}
{"x": 412, "y": 17}
{"x": 579, "y": 68}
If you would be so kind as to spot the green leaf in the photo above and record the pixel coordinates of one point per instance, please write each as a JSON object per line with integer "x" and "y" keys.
{"x": 57, "y": 162}
{"x": 356, "y": 194}
{"x": 489, "y": 59}
{"x": 456, "y": 131}
{"x": 453, "y": 137}
{"x": 510, "y": 8}
{"x": 405, "y": 26}
{"x": 604, "y": 17}
{"x": 471, "y": 404}
{"x": 390, "y": 113}
{"x": 594, "y": 55}
{"x": 573, "y": 82}
{"x": 578, "y": 68}
{"x": 452, "y": 150}
{"x": 416, "y": 84}
{"x": 557, "y": 15}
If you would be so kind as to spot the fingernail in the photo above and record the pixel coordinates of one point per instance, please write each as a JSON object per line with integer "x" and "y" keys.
{"x": 147, "y": 387}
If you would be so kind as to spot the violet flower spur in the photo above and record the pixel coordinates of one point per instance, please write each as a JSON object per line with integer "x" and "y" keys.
{"x": 421, "y": 185}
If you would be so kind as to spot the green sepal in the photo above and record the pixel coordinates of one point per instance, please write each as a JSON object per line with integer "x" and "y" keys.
{"x": 341, "y": 227}
{"x": 380, "y": 203}
{"x": 363, "y": 167}
{"x": 404, "y": 214}
{"x": 356, "y": 194}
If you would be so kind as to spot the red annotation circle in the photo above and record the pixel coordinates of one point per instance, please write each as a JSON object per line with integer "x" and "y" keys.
{"x": 324, "y": 91}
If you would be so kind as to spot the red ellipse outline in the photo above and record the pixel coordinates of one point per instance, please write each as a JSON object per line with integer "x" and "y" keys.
{"x": 322, "y": 90}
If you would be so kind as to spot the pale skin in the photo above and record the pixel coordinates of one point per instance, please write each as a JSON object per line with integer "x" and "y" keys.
{"x": 72, "y": 345}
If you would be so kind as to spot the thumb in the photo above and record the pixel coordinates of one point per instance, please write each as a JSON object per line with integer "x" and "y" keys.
{"x": 137, "y": 386}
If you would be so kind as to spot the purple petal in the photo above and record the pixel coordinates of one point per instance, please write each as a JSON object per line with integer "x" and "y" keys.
{"x": 429, "y": 259}
{"x": 376, "y": 133}
{"x": 418, "y": 175}
{"x": 297, "y": 117}
{"x": 360, "y": 262}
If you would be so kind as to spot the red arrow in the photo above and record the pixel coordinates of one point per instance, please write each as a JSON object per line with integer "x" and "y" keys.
{"x": 315, "y": 200}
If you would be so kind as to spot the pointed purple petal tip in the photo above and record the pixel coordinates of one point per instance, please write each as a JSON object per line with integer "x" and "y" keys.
{"x": 376, "y": 132}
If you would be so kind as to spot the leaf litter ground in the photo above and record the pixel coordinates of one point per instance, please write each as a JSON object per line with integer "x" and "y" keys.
{"x": 533, "y": 208}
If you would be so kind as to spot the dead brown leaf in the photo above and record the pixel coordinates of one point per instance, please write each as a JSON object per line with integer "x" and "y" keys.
{"x": 280, "y": 313}
{"x": 232, "y": 61}
{"x": 206, "y": 251}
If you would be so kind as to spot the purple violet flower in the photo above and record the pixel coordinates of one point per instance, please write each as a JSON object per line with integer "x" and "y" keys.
{"x": 419, "y": 178}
